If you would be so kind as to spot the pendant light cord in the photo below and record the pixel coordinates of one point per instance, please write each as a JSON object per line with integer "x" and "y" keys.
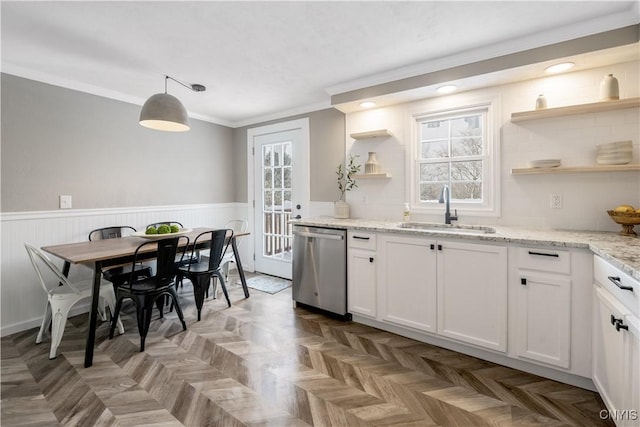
{"x": 194, "y": 87}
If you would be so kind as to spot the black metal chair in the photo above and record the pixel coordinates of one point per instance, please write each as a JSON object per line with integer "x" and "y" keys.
{"x": 201, "y": 273}
{"x": 118, "y": 275}
{"x": 149, "y": 290}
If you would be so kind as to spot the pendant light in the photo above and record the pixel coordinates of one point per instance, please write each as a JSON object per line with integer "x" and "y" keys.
{"x": 165, "y": 112}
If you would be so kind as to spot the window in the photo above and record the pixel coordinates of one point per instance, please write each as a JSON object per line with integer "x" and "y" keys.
{"x": 455, "y": 148}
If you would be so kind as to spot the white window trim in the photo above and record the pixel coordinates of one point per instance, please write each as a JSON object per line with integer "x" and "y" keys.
{"x": 491, "y": 207}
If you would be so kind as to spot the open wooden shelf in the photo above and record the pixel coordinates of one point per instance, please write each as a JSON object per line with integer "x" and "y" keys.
{"x": 372, "y": 175}
{"x": 575, "y": 109}
{"x": 576, "y": 169}
{"x": 372, "y": 134}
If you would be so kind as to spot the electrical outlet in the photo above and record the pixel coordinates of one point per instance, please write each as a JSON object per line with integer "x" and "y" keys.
{"x": 65, "y": 202}
{"x": 555, "y": 201}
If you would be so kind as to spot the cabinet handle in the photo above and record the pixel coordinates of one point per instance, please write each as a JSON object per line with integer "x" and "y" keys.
{"x": 620, "y": 325}
{"x": 543, "y": 254}
{"x": 439, "y": 247}
{"x": 616, "y": 281}
{"x": 523, "y": 281}
{"x": 432, "y": 246}
{"x": 370, "y": 259}
{"x": 360, "y": 237}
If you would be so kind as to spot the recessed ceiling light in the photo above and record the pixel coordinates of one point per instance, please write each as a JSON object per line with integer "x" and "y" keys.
{"x": 367, "y": 104}
{"x": 447, "y": 89}
{"x": 558, "y": 68}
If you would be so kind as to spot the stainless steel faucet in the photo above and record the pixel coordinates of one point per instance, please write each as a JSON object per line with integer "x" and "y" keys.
{"x": 446, "y": 199}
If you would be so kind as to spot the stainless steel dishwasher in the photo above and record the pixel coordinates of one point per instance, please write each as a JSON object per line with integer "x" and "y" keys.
{"x": 320, "y": 268}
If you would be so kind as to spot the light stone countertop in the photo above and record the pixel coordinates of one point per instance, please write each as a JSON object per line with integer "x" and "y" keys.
{"x": 621, "y": 251}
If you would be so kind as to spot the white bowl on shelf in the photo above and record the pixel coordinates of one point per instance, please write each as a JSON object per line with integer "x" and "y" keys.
{"x": 614, "y": 153}
{"x": 545, "y": 163}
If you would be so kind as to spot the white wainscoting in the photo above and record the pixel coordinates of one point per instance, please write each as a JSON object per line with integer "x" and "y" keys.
{"x": 22, "y": 298}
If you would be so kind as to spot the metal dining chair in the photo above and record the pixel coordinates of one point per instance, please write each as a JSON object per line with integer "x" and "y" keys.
{"x": 118, "y": 274}
{"x": 62, "y": 295}
{"x": 229, "y": 259}
{"x": 147, "y": 291}
{"x": 201, "y": 273}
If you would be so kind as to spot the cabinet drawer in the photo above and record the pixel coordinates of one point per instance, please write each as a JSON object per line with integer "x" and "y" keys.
{"x": 550, "y": 260}
{"x": 614, "y": 280}
{"x": 362, "y": 240}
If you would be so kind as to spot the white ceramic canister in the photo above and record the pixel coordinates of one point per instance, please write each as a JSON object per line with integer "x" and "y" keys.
{"x": 609, "y": 90}
{"x": 541, "y": 102}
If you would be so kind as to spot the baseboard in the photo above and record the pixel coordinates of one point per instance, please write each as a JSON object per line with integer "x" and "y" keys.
{"x": 78, "y": 309}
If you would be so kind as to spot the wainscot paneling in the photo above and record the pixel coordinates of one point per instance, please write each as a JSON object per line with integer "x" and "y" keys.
{"x": 22, "y": 298}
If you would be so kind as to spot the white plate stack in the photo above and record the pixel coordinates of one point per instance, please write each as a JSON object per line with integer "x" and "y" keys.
{"x": 614, "y": 153}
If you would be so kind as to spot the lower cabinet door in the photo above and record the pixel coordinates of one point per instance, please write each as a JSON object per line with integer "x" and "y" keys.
{"x": 362, "y": 289}
{"x": 407, "y": 275}
{"x": 544, "y": 318}
{"x": 608, "y": 354}
{"x": 472, "y": 293}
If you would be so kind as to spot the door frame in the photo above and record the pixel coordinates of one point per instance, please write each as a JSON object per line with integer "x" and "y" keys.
{"x": 252, "y": 133}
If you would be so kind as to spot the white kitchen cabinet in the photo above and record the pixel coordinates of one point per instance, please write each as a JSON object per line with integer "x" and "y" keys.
{"x": 550, "y": 307}
{"x": 616, "y": 343}
{"x": 454, "y": 289}
{"x": 544, "y": 318}
{"x": 472, "y": 293}
{"x": 361, "y": 274}
{"x": 407, "y": 281}
{"x": 543, "y": 305}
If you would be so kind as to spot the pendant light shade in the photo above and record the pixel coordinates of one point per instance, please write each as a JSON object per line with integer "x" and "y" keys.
{"x": 165, "y": 112}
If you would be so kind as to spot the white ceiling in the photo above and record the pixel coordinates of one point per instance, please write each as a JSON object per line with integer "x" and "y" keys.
{"x": 264, "y": 60}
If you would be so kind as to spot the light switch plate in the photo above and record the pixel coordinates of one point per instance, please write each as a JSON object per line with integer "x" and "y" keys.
{"x": 65, "y": 202}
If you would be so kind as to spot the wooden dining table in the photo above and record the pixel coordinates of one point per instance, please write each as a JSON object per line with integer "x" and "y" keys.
{"x": 110, "y": 252}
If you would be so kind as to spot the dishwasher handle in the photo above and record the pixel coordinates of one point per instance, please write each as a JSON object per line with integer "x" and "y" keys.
{"x": 319, "y": 235}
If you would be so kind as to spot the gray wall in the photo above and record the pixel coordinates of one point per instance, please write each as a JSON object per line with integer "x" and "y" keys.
{"x": 327, "y": 150}
{"x": 59, "y": 141}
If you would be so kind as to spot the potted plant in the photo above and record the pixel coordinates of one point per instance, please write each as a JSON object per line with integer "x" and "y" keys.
{"x": 346, "y": 182}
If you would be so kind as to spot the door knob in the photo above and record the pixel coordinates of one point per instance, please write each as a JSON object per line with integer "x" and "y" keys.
{"x": 298, "y": 207}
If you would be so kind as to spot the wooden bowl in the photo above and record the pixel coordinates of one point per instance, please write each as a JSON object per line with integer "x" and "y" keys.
{"x": 627, "y": 220}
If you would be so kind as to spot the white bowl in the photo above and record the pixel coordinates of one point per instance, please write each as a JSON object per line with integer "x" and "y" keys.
{"x": 545, "y": 163}
{"x": 614, "y": 158}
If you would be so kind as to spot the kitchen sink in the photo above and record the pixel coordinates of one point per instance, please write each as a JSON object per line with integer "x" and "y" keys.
{"x": 448, "y": 228}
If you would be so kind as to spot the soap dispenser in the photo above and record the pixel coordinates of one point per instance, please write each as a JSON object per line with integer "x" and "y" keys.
{"x": 407, "y": 213}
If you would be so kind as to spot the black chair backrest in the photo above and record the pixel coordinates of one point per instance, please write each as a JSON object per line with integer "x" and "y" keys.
{"x": 165, "y": 259}
{"x": 109, "y": 232}
{"x": 157, "y": 224}
{"x": 217, "y": 246}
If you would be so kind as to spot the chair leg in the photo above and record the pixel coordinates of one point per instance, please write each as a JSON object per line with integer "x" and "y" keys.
{"x": 224, "y": 287}
{"x": 200, "y": 287}
{"x": 214, "y": 287}
{"x": 144, "y": 309}
{"x": 110, "y": 300}
{"x": 174, "y": 296}
{"x": 46, "y": 320}
{"x": 57, "y": 330}
{"x": 114, "y": 316}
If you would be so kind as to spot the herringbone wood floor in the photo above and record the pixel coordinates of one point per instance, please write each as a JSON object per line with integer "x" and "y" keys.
{"x": 263, "y": 363}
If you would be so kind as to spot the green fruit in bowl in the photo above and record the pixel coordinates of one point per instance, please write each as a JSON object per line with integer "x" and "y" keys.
{"x": 164, "y": 229}
{"x": 151, "y": 230}
{"x": 174, "y": 228}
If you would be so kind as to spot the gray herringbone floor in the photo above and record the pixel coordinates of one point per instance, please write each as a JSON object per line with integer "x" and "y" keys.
{"x": 263, "y": 363}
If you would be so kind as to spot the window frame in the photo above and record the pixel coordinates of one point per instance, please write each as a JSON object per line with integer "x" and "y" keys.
{"x": 490, "y": 206}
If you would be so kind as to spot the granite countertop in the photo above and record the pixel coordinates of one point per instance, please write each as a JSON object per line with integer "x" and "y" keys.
{"x": 621, "y": 251}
